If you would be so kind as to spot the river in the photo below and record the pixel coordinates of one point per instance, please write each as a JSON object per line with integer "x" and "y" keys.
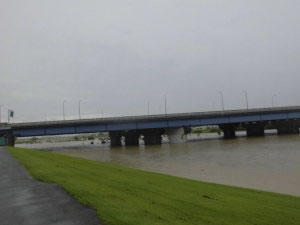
{"x": 270, "y": 163}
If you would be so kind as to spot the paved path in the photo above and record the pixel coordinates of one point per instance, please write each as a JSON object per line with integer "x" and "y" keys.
{"x": 25, "y": 201}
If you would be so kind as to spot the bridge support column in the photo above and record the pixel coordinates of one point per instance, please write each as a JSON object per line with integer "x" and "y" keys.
{"x": 152, "y": 136}
{"x": 287, "y": 127}
{"x": 176, "y": 135}
{"x": 255, "y": 129}
{"x": 3, "y": 140}
{"x": 228, "y": 130}
{"x": 115, "y": 138}
{"x": 132, "y": 137}
{"x": 11, "y": 141}
{"x": 7, "y": 139}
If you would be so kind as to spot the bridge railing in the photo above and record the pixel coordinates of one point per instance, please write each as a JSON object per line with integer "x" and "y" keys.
{"x": 172, "y": 116}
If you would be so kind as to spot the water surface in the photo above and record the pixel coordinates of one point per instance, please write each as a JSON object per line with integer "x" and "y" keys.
{"x": 270, "y": 163}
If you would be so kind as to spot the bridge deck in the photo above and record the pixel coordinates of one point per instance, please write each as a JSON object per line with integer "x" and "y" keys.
{"x": 162, "y": 117}
{"x": 152, "y": 121}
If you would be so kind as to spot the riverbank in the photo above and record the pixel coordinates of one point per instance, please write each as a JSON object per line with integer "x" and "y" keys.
{"x": 127, "y": 196}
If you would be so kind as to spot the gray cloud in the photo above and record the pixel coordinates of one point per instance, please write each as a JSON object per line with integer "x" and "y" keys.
{"x": 117, "y": 55}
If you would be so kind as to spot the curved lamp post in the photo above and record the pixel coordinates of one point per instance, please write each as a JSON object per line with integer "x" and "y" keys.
{"x": 79, "y": 109}
{"x": 246, "y": 97}
{"x": 64, "y": 109}
{"x": 0, "y": 112}
{"x": 273, "y": 97}
{"x": 222, "y": 98}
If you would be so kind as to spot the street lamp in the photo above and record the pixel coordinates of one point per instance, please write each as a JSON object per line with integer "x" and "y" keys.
{"x": 148, "y": 108}
{"x": 64, "y": 109}
{"x": 273, "y": 96}
{"x": 79, "y": 112}
{"x": 0, "y": 112}
{"x": 222, "y": 98}
{"x": 165, "y": 104}
{"x": 246, "y": 96}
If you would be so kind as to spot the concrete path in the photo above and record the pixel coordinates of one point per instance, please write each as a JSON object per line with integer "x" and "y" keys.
{"x": 25, "y": 201}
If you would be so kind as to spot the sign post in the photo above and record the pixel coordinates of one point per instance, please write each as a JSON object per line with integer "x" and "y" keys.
{"x": 10, "y": 114}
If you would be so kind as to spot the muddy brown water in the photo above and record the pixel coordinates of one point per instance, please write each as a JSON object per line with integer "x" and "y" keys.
{"x": 270, "y": 163}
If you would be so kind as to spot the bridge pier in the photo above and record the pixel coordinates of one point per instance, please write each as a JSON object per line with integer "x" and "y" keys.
{"x": 131, "y": 138}
{"x": 228, "y": 130}
{"x": 11, "y": 140}
{"x": 115, "y": 138}
{"x": 176, "y": 135}
{"x": 152, "y": 136}
{"x": 3, "y": 140}
{"x": 287, "y": 127}
{"x": 7, "y": 140}
{"x": 255, "y": 129}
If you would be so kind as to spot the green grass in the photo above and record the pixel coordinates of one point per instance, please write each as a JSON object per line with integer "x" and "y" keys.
{"x": 124, "y": 196}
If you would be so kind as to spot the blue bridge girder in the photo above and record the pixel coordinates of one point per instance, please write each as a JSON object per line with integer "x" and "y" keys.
{"x": 151, "y": 122}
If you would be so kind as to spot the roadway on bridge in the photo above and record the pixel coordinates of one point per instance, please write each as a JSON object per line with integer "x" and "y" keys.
{"x": 25, "y": 201}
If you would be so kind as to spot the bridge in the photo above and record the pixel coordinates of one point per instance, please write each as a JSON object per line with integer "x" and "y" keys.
{"x": 285, "y": 119}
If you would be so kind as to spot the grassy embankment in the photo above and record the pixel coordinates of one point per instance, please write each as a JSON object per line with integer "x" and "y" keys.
{"x": 124, "y": 196}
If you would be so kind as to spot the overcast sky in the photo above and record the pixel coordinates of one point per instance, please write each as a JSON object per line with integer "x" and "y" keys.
{"x": 116, "y": 55}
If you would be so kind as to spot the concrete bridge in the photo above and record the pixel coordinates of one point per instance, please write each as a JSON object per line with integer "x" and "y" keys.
{"x": 176, "y": 126}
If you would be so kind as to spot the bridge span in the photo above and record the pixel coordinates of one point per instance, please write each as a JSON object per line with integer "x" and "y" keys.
{"x": 285, "y": 119}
